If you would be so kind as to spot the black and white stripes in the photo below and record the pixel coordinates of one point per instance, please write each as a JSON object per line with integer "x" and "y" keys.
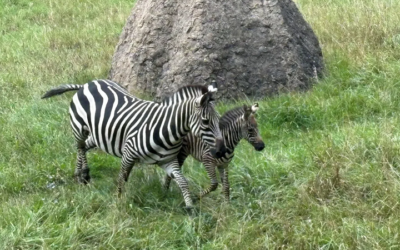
{"x": 236, "y": 124}
{"x": 104, "y": 115}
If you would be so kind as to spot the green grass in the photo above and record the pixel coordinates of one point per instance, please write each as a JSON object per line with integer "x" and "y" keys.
{"x": 329, "y": 177}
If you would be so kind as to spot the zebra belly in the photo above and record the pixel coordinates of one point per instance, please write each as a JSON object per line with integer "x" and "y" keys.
{"x": 149, "y": 153}
{"x": 145, "y": 158}
{"x": 136, "y": 148}
{"x": 153, "y": 159}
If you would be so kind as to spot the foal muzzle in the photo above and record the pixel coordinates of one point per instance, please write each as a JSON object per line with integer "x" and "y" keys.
{"x": 259, "y": 146}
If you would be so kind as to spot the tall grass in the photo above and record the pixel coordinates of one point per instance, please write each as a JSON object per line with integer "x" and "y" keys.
{"x": 327, "y": 179}
{"x": 360, "y": 30}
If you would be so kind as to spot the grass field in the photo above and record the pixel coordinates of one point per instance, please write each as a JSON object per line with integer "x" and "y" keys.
{"x": 329, "y": 177}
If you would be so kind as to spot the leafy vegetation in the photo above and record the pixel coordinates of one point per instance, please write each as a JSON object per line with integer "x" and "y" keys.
{"x": 328, "y": 178}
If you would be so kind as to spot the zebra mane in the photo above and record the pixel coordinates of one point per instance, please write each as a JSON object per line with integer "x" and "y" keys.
{"x": 185, "y": 92}
{"x": 230, "y": 117}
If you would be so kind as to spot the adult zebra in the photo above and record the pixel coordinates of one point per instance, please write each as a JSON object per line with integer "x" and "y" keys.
{"x": 236, "y": 124}
{"x": 137, "y": 130}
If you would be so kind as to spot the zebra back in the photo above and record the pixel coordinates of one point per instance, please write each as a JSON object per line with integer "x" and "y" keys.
{"x": 113, "y": 117}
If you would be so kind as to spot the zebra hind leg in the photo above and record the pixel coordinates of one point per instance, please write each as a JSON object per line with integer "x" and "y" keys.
{"x": 85, "y": 171}
{"x": 82, "y": 170}
{"x": 89, "y": 144}
{"x": 126, "y": 167}
{"x": 78, "y": 168}
{"x": 81, "y": 163}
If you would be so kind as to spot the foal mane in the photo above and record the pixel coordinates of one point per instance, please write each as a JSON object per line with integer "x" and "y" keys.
{"x": 230, "y": 117}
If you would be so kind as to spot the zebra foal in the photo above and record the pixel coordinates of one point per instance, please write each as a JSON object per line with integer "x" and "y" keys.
{"x": 105, "y": 115}
{"x": 235, "y": 124}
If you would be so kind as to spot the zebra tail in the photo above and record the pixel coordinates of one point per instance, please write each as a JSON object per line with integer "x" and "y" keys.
{"x": 61, "y": 89}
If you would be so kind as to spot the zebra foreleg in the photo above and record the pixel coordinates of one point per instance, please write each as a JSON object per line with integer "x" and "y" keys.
{"x": 174, "y": 171}
{"x": 126, "y": 167}
{"x": 210, "y": 168}
{"x": 183, "y": 154}
{"x": 223, "y": 172}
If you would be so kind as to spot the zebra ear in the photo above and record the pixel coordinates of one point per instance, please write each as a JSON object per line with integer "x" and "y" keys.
{"x": 212, "y": 88}
{"x": 206, "y": 98}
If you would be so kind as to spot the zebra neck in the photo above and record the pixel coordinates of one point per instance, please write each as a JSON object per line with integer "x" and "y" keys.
{"x": 186, "y": 110}
{"x": 232, "y": 136}
{"x": 179, "y": 118}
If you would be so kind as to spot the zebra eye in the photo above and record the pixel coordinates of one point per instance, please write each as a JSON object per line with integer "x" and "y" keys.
{"x": 206, "y": 121}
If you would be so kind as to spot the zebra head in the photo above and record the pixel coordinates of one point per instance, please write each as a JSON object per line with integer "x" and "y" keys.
{"x": 204, "y": 123}
{"x": 249, "y": 127}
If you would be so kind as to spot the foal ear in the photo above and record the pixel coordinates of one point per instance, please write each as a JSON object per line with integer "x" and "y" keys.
{"x": 247, "y": 112}
{"x": 254, "y": 108}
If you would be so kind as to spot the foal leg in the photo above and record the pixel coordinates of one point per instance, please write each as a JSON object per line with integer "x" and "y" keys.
{"x": 210, "y": 168}
{"x": 223, "y": 172}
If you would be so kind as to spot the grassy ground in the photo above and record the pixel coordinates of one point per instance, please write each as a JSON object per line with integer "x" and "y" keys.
{"x": 328, "y": 178}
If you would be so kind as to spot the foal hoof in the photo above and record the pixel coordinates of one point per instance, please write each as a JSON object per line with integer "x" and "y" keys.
{"x": 78, "y": 179}
{"x": 191, "y": 211}
{"x": 86, "y": 179}
{"x": 85, "y": 176}
{"x": 119, "y": 193}
{"x": 196, "y": 199}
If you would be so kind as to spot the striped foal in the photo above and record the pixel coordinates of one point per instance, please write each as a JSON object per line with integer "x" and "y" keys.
{"x": 236, "y": 124}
